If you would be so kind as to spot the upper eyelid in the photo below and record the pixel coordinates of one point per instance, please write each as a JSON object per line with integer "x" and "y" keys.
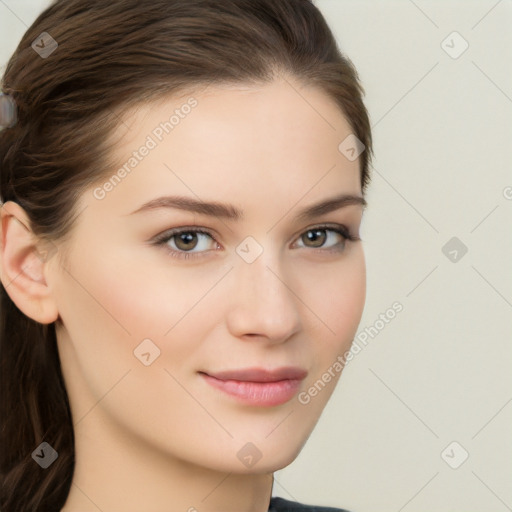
{"x": 168, "y": 234}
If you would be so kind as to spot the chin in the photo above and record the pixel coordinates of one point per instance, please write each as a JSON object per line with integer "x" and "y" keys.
{"x": 278, "y": 461}
{"x": 249, "y": 454}
{"x": 269, "y": 463}
{"x": 276, "y": 455}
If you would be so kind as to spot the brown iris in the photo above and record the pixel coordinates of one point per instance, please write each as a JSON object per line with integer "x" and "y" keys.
{"x": 186, "y": 240}
{"x": 316, "y": 236}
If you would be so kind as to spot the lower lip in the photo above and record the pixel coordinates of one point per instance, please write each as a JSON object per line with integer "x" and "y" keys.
{"x": 265, "y": 394}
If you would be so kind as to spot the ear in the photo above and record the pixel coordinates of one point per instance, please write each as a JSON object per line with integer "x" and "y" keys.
{"x": 24, "y": 264}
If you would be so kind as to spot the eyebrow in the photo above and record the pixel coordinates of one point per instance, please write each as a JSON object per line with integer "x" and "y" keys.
{"x": 230, "y": 212}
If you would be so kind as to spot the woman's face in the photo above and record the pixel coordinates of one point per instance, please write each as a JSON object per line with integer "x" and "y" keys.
{"x": 159, "y": 329}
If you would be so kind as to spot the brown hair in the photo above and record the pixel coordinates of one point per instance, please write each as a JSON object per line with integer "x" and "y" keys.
{"x": 111, "y": 56}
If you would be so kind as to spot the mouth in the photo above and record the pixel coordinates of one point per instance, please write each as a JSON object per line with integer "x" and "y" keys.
{"x": 258, "y": 387}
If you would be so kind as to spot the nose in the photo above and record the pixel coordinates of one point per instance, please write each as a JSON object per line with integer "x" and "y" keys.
{"x": 262, "y": 303}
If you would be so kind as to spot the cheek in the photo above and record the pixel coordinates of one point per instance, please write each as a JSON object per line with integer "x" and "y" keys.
{"x": 348, "y": 295}
{"x": 110, "y": 306}
{"x": 338, "y": 299}
{"x": 337, "y": 296}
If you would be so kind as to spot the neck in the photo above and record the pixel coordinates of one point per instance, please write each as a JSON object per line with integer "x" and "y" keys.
{"x": 115, "y": 473}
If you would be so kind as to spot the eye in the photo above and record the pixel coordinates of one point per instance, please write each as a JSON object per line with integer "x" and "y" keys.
{"x": 326, "y": 237}
{"x": 186, "y": 243}
{"x": 193, "y": 242}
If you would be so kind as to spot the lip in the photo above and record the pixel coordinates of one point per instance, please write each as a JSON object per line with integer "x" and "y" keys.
{"x": 256, "y": 386}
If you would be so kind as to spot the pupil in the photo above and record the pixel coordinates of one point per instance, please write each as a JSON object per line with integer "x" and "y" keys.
{"x": 186, "y": 239}
{"x": 316, "y": 236}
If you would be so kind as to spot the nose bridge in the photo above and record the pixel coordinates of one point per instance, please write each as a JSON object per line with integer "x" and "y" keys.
{"x": 263, "y": 302}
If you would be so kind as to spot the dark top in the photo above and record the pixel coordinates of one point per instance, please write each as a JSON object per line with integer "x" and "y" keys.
{"x": 282, "y": 505}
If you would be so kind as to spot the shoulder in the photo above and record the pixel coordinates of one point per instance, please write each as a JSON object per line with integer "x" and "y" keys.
{"x": 282, "y": 505}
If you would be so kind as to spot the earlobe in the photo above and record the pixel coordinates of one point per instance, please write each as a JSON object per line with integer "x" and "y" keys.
{"x": 23, "y": 265}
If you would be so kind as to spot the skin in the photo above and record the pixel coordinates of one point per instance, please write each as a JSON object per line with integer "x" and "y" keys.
{"x": 157, "y": 437}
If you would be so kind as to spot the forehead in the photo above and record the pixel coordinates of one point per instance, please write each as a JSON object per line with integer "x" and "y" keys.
{"x": 261, "y": 117}
{"x": 244, "y": 141}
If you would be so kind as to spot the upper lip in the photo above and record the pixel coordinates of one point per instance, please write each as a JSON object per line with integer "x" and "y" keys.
{"x": 260, "y": 374}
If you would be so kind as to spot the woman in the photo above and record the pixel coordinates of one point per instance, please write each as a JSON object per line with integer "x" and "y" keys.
{"x": 182, "y": 185}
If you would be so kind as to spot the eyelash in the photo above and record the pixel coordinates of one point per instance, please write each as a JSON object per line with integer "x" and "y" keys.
{"x": 163, "y": 238}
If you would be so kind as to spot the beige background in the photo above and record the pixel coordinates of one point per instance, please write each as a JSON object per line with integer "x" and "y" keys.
{"x": 437, "y": 372}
